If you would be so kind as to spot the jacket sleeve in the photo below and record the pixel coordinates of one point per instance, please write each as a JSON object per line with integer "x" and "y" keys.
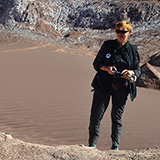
{"x": 98, "y": 61}
{"x": 137, "y": 69}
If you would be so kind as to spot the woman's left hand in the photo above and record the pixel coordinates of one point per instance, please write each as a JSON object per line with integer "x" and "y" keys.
{"x": 127, "y": 73}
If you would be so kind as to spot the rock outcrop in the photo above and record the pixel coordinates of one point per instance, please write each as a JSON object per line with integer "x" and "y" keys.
{"x": 81, "y": 21}
{"x": 150, "y": 77}
{"x": 155, "y": 59}
{"x": 84, "y": 22}
{"x": 15, "y": 149}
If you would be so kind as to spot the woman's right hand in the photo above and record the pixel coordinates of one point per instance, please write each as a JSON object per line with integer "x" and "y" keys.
{"x": 109, "y": 69}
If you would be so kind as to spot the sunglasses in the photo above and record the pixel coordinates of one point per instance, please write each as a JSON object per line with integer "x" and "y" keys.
{"x": 121, "y": 31}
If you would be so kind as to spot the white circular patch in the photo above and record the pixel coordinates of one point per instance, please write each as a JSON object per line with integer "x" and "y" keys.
{"x": 108, "y": 55}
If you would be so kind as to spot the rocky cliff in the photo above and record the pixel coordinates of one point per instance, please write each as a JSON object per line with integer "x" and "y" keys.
{"x": 84, "y": 23}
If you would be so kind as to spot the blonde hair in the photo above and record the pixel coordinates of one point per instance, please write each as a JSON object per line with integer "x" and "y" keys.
{"x": 124, "y": 24}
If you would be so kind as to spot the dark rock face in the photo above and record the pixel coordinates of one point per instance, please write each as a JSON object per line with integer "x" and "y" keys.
{"x": 84, "y": 22}
{"x": 65, "y": 15}
{"x": 155, "y": 59}
{"x": 150, "y": 77}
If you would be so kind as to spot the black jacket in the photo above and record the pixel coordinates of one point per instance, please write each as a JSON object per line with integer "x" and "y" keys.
{"x": 106, "y": 56}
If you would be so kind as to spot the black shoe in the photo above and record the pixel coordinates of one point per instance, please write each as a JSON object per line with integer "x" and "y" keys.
{"x": 92, "y": 145}
{"x": 114, "y": 148}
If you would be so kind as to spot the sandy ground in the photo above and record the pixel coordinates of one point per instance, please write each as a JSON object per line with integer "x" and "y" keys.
{"x": 15, "y": 149}
{"x": 45, "y": 98}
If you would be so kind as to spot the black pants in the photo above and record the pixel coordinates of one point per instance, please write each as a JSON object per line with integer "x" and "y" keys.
{"x": 99, "y": 106}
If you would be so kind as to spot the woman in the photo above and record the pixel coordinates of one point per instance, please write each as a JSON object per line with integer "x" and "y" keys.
{"x": 116, "y": 63}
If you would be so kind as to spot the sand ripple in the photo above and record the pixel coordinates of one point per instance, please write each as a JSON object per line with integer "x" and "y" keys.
{"x": 45, "y": 98}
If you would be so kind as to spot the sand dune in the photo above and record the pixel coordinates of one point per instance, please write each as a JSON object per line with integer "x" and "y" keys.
{"x": 45, "y": 98}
